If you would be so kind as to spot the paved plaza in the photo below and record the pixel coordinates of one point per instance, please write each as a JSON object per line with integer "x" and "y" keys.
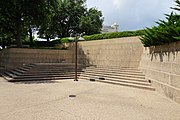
{"x": 93, "y": 101}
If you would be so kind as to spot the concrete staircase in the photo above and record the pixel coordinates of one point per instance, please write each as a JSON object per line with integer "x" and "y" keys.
{"x": 42, "y": 71}
{"x": 131, "y": 77}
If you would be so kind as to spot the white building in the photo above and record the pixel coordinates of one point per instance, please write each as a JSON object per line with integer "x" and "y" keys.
{"x": 113, "y": 28}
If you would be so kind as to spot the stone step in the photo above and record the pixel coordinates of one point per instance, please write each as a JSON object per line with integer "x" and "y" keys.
{"x": 19, "y": 70}
{"x": 38, "y": 72}
{"x": 116, "y": 77}
{"x": 123, "y": 83}
{"x": 60, "y": 66}
{"x": 39, "y": 79}
{"x": 29, "y": 65}
{"x": 146, "y": 83}
{"x": 15, "y": 72}
{"x": 119, "y": 70}
{"x": 9, "y": 74}
{"x": 40, "y": 76}
{"x": 57, "y": 64}
{"x": 55, "y": 72}
{"x": 52, "y": 69}
{"x": 23, "y": 69}
{"x": 131, "y": 77}
{"x": 6, "y": 77}
{"x": 113, "y": 74}
{"x": 113, "y": 68}
{"x": 29, "y": 73}
{"x": 128, "y": 84}
{"x": 50, "y": 73}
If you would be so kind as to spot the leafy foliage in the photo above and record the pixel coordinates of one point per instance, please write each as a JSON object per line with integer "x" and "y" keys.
{"x": 52, "y": 18}
{"x": 114, "y": 35}
{"x": 72, "y": 16}
{"x": 91, "y": 22}
{"x": 166, "y": 31}
{"x": 17, "y": 15}
{"x": 106, "y": 36}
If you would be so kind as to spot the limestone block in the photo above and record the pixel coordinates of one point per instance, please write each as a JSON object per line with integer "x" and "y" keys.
{"x": 175, "y": 69}
{"x": 158, "y": 75}
{"x": 175, "y": 80}
{"x": 168, "y": 91}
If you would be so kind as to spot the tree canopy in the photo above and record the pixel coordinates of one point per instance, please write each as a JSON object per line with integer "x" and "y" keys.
{"x": 91, "y": 22}
{"x": 51, "y": 17}
{"x": 18, "y": 15}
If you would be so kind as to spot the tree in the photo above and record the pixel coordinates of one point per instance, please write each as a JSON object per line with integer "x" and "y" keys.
{"x": 13, "y": 12}
{"x": 177, "y": 5}
{"x": 67, "y": 18}
{"x": 16, "y": 15}
{"x": 50, "y": 17}
{"x": 91, "y": 22}
{"x": 166, "y": 32}
{"x": 73, "y": 15}
{"x": 47, "y": 26}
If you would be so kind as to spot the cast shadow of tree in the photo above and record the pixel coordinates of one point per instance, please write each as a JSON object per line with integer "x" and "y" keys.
{"x": 168, "y": 51}
{"x": 83, "y": 58}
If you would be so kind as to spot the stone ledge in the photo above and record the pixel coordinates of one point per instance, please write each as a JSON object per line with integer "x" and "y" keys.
{"x": 167, "y": 90}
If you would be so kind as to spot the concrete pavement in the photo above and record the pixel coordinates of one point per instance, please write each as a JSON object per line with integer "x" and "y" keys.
{"x": 93, "y": 101}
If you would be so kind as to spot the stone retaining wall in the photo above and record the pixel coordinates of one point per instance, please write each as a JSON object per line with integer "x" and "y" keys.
{"x": 121, "y": 52}
{"x": 161, "y": 65}
{"x": 15, "y": 57}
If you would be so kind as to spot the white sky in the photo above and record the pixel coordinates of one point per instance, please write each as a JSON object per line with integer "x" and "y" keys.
{"x": 132, "y": 14}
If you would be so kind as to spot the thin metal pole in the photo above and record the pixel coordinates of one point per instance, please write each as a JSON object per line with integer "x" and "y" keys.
{"x": 76, "y": 59}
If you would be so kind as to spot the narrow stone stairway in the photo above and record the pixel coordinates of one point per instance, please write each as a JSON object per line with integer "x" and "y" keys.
{"x": 42, "y": 71}
{"x": 125, "y": 76}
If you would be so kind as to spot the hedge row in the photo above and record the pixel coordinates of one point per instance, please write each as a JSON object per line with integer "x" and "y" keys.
{"x": 106, "y": 36}
{"x": 114, "y": 35}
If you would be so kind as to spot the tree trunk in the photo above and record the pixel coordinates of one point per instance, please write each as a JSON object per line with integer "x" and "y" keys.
{"x": 30, "y": 36}
{"x": 48, "y": 38}
{"x": 18, "y": 31}
{"x": 64, "y": 33}
{"x": 3, "y": 43}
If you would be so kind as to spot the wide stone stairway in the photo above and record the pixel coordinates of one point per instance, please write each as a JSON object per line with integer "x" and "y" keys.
{"x": 125, "y": 76}
{"x": 42, "y": 71}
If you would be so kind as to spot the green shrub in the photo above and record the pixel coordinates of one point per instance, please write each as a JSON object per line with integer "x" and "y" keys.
{"x": 114, "y": 35}
{"x": 64, "y": 40}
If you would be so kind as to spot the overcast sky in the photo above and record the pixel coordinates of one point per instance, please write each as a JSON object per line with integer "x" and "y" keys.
{"x": 132, "y": 14}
